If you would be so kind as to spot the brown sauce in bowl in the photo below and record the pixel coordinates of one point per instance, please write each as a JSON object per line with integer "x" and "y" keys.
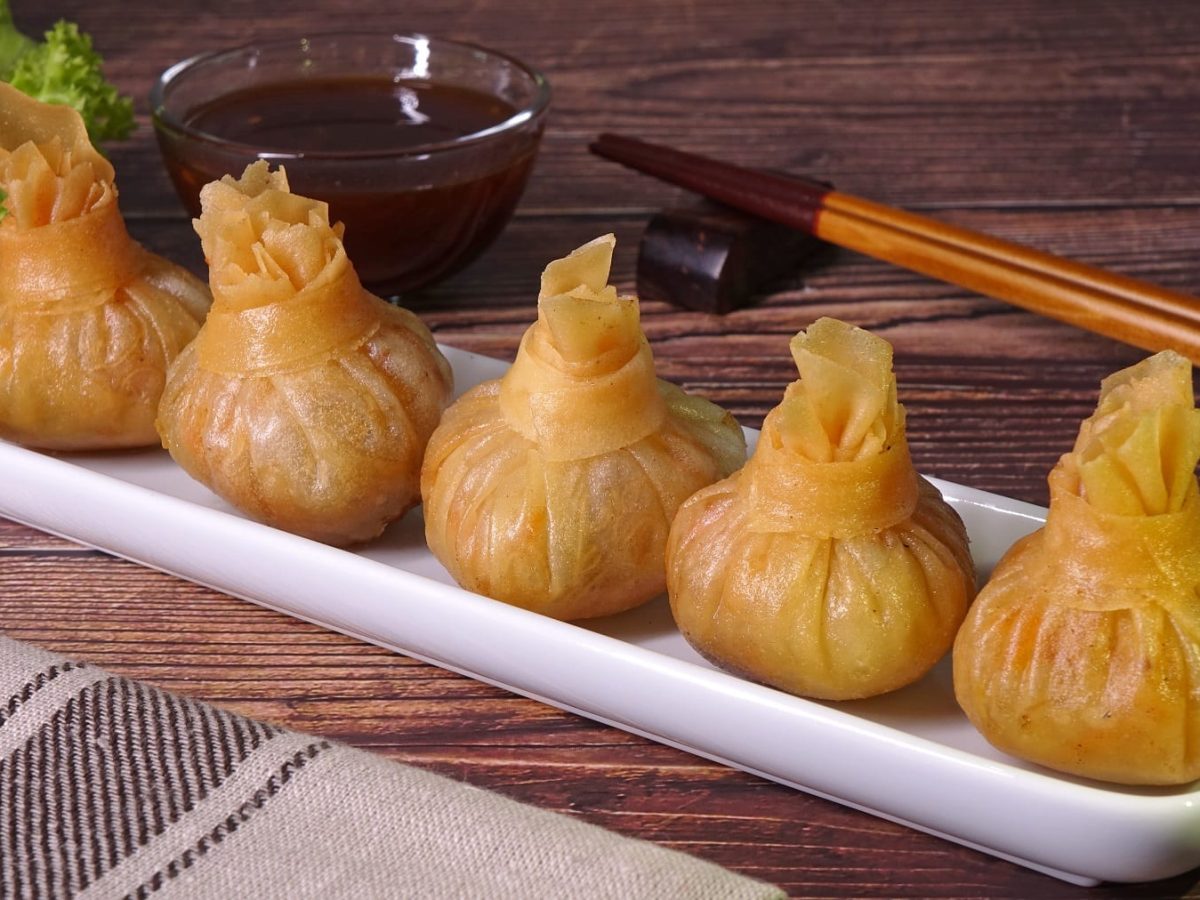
{"x": 348, "y": 115}
{"x": 404, "y": 228}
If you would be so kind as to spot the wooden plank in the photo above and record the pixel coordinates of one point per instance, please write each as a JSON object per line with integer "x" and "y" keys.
{"x": 1012, "y": 103}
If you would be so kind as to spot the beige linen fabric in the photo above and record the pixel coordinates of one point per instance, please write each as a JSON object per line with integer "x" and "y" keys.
{"x": 111, "y": 788}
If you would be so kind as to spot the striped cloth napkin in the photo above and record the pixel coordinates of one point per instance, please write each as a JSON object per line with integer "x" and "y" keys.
{"x": 111, "y": 788}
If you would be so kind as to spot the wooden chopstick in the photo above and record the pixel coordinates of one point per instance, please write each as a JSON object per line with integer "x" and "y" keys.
{"x": 1126, "y": 309}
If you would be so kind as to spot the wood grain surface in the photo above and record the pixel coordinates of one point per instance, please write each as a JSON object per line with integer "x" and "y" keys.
{"x": 1072, "y": 126}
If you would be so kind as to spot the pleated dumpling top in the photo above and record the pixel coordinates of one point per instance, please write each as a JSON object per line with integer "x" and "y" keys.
{"x": 305, "y": 401}
{"x": 826, "y": 567}
{"x": 554, "y": 487}
{"x": 89, "y": 319}
{"x": 1082, "y": 652}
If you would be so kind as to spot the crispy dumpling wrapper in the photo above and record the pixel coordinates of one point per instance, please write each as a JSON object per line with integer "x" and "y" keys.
{"x": 89, "y": 320}
{"x": 1082, "y": 652}
{"x": 554, "y": 487}
{"x": 826, "y": 567}
{"x": 305, "y": 401}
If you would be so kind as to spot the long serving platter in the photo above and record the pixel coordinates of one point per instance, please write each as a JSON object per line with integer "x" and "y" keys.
{"x": 910, "y": 756}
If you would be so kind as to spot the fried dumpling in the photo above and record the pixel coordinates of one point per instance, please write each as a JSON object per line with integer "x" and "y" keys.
{"x": 305, "y": 401}
{"x": 89, "y": 319}
{"x": 1082, "y": 652}
{"x": 826, "y": 567}
{"x": 553, "y": 487}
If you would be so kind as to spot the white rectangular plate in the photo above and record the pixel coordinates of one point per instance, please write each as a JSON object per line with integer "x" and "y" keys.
{"x": 910, "y": 756}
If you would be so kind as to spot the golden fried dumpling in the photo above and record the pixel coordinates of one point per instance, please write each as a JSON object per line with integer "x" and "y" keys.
{"x": 1082, "y": 652}
{"x": 89, "y": 320}
{"x": 305, "y": 401}
{"x": 826, "y": 567}
{"x": 553, "y": 488}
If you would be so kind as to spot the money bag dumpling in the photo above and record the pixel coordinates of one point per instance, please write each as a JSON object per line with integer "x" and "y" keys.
{"x": 304, "y": 401}
{"x": 1082, "y": 652}
{"x": 89, "y": 319}
{"x": 826, "y": 567}
{"x": 553, "y": 488}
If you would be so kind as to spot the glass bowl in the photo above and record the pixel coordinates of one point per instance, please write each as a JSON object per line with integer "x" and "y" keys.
{"x": 417, "y": 208}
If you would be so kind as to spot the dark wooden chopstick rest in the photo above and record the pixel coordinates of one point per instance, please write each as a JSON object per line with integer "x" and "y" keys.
{"x": 715, "y": 259}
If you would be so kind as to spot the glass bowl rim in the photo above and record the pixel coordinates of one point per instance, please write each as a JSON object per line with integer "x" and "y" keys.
{"x": 165, "y": 121}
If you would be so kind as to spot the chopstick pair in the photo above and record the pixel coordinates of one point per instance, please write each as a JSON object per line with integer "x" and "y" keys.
{"x": 1126, "y": 309}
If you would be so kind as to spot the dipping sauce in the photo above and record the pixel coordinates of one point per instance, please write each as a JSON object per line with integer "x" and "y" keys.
{"x": 412, "y": 217}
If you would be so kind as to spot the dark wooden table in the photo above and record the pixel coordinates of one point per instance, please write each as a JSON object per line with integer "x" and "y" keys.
{"x": 1072, "y": 126}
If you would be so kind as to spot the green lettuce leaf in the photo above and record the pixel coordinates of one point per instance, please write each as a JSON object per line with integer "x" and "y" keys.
{"x": 64, "y": 69}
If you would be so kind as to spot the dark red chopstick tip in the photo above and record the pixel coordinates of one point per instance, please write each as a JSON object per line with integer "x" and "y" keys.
{"x": 790, "y": 200}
